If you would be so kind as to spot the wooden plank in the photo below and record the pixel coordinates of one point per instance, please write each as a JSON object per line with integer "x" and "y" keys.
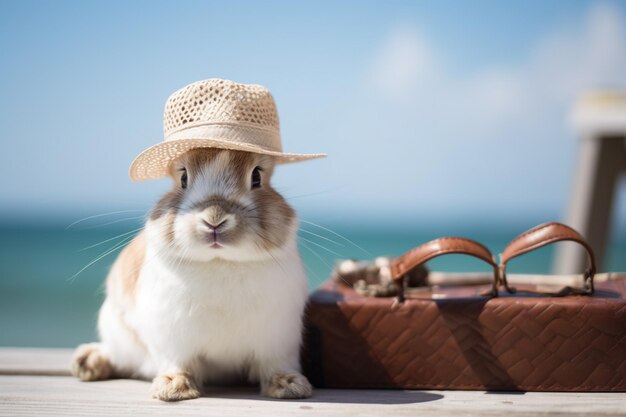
{"x": 602, "y": 160}
{"x": 32, "y": 384}
{"x": 65, "y": 396}
{"x": 33, "y": 361}
{"x": 600, "y": 119}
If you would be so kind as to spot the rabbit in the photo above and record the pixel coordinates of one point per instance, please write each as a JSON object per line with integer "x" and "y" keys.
{"x": 212, "y": 289}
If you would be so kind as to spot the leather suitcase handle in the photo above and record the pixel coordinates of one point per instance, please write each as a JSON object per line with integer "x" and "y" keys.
{"x": 543, "y": 235}
{"x": 445, "y": 245}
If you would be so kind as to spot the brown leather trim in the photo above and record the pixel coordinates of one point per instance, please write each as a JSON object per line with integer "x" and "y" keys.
{"x": 445, "y": 245}
{"x": 543, "y": 235}
{"x": 530, "y": 240}
{"x": 423, "y": 253}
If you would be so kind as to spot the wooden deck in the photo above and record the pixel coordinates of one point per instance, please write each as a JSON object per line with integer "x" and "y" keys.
{"x": 36, "y": 382}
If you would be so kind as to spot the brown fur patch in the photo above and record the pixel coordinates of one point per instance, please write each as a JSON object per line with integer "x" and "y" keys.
{"x": 122, "y": 279}
{"x": 275, "y": 218}
{"x": 242, "y": 163}
{"x": 195, "y": 159}
{"x": 167, "y": 207}
{"x": 168, "y": 203}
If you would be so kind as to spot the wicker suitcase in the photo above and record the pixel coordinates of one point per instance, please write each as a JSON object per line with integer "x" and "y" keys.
{"x": 492, "y": 336}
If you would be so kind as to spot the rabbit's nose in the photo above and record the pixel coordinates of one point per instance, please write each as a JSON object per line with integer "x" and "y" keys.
{"x": 215, "y": 217}
{"x": 213, "y": 227}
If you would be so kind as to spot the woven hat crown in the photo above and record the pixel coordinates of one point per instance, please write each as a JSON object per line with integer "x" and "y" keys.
{"x": 216, "y": 101}
{"x": 215, "y": 113}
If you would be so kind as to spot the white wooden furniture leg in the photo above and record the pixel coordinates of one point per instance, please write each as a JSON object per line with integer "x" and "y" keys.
{"x": 601, "y": 120}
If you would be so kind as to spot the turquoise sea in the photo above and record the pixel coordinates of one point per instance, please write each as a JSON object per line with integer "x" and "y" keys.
{"x": 42, "y": 304}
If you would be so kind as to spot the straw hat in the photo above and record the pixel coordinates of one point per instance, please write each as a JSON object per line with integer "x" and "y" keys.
{"x": 215, "y": 113}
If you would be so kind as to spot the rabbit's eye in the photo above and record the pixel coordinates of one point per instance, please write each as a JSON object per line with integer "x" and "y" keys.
{"x": 183, "y": 179}
{"x": 256, "y": 177}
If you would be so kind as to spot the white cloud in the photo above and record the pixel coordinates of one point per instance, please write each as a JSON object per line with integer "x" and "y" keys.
{"x": 403, "y": 65}
{"x": 499, "y": 133}
{"x": 569, "y": 61}
{"x": 562, "y": 65}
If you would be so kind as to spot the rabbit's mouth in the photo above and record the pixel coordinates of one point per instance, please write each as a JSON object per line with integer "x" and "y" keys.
{"x": 215, "y": 234}
{"x": 213, "y": 239}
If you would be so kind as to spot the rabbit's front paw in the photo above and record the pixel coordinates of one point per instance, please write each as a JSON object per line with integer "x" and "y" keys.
{"x": 288, "y": 385}
{"x": 174, "y": 387}
{"x": 89, "y": 364}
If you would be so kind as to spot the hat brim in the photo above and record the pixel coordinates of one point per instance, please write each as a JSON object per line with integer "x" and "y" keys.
{"x": 154, "y": 162}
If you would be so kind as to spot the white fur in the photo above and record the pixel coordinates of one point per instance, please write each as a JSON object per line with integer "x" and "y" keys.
{"x": 206, "y": 312}
{"x": 214, "y": 320}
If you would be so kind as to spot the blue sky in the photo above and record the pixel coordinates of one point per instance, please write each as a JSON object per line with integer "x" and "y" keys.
{"x": 428, "y": 110}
